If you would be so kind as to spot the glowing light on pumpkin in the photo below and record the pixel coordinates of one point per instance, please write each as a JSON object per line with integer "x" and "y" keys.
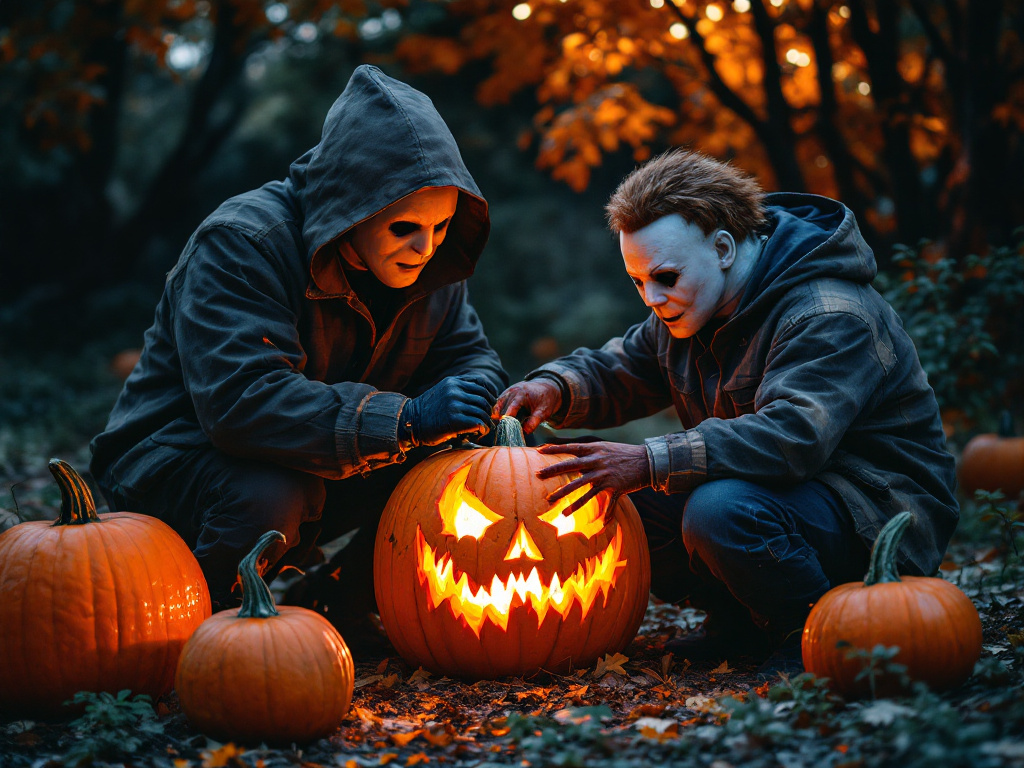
{"x": 476, "y": 604}
{"x": 471, "y": 516}
{"x": 523, "y": 545}
{"x": 587, "y": 520}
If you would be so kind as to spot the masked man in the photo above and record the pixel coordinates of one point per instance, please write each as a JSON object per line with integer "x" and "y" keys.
{"x": 314, "y": 334}
{"x": 807, "y": 418}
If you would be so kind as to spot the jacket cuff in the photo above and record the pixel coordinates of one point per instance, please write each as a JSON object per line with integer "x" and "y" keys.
{"x": 377, "y": 436}
{"x": 575, "y": 410}
{"x": 679, "y": 461}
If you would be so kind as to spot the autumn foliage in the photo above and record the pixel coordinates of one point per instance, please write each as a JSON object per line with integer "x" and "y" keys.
{"x": 865, "y": 101}
{"x": 910, "y": 111}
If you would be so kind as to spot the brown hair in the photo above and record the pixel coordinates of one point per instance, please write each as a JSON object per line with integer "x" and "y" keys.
{"x": 704, "y": 191}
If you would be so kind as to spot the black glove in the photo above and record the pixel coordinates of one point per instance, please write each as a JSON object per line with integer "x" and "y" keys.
{"x": 450, "y": 408}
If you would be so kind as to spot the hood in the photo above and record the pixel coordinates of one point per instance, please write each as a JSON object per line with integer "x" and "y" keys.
{"x": 810, "y": 238}
{"x": 383, "y": 140}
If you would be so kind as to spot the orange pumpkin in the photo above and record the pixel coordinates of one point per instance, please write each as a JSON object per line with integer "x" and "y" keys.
{"x": 478, "y": 576}
{"x": 262, "y": 673}
{"x": 92, "y": 603}
{"x": 994, "y": 461}
{"x": 933, "y": 623}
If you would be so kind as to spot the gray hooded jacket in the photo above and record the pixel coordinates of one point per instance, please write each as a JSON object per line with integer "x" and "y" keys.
{"x": 261, "y": 347}
{"x": 813, "y": 377}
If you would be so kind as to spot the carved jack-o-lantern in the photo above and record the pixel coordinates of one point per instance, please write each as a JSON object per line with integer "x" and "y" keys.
{"x": 477, "y": 575}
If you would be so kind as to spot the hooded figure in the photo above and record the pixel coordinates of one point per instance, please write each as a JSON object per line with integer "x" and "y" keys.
{"x": 807, "y": 419}
{"x": 314, "y": 334}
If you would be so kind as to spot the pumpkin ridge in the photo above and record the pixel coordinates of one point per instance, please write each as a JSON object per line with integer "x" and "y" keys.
{"x": 402, "y": 626}
{"x": 150, "y": 578}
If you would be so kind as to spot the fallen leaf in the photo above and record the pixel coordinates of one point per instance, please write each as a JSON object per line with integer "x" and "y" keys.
{"x": 666, "y": 666}
{"x": 660, "y": 725}
{"x": 611, "y": 663}
{"x": 366, "y": 716}
{"x": 577, "y": 692}
{"x": 722, "y": 668}
{"x": 402, "y": 739}
{"x": 227, "y": 754}
{"x": 885, "y": 712}
{"x": 439, "y": 734}
{"x": 418, "y": 677}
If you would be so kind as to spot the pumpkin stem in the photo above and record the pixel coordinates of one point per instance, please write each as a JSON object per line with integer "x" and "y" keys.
{"x": 257, "y": 600}
{"x": 77, "y": 506}
{"x": 882, "y": 568}
{"x": 509, "y": 433}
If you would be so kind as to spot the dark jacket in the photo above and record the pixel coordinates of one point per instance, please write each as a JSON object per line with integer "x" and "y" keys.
{"x": 261, "y": 347}
{"x": 812, "y": 377}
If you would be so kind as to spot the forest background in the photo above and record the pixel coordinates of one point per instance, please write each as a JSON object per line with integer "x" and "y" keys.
{"x": 125, "y": 122}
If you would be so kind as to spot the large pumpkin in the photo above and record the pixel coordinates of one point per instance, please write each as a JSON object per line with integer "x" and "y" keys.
{"x": 477, "y": 575}
{"x": 92, "y": 603}
{"x": 263, "y": 673}
{"x": 934, "y": 624}
{"x": 994, "y": 461}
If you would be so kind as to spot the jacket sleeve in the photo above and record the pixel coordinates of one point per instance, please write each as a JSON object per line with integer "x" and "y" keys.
{"x": 821, "y": 373}
{"x": 621, "y": 381}
{"x": 236, "y": 327}
{"x": 460, "y": 348}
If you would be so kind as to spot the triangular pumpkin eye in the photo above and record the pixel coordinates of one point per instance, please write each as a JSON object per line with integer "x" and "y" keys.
{"x": 462, "y": 513}
{"x": 588, "y": 520}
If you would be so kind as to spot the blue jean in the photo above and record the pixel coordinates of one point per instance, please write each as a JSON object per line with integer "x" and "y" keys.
{"x": 743, "y": 550}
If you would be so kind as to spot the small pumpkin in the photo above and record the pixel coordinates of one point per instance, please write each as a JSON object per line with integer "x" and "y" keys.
{"x": 262, "y": 673}
{"x": 92, "y": 603}
{"x": 994, "y": 461}
{"x": 478, "y": 576}
{"x": 934, "y": 624}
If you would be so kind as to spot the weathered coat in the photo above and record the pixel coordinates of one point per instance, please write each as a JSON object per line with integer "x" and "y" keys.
{"x": 812, "y": 377}
{"x": 261, "y": 347}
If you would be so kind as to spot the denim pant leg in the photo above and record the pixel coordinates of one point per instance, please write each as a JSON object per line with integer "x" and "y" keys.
{"x": 776, "y": 551}
{"x": 220, "y": 505}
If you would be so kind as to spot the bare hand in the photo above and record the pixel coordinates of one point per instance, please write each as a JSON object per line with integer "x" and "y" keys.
{"x": 615, "y": 468}
{"x": 540, "y": 397}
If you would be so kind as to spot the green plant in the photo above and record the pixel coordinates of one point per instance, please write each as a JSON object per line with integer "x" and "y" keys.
{"x": 110, "y": 727}
{"x": 965, "y": 319}
{"x": 877, "y": 666}
{"x": 1009, "y": 518}
{"x": 806, "y": 696}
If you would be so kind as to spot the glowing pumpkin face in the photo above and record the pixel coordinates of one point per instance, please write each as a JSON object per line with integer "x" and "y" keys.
{"x": 477, "y": 575}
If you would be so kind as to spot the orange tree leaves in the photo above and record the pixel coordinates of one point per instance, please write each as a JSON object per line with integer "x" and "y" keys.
{"x": 865, "y": 101}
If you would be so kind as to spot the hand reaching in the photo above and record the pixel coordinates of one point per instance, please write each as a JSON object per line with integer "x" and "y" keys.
{"x": 615, "y": 468}
{"x": 452, "y": 407}
{"x": 541, "y": 397}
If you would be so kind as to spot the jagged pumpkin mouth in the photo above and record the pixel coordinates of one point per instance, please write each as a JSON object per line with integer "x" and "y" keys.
{"x": 476, "y": 604}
